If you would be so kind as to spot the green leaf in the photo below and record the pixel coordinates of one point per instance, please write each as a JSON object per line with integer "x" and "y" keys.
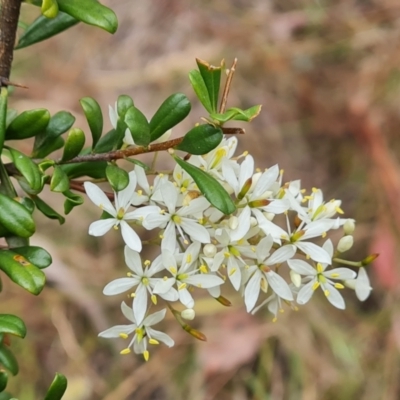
{"x": 117, "y": 177}
{"x": 110, "y": 141}
{"x": 59, "y": 181}
{"x": 28, "y": 124}
{"x": 212, "y": 78}
{"x": 138, "y": 162}
{"x": 45, "y": 209}
{"x": 13, "y": 325}
{"x": 74, "y": 144}
{"x": 201, "y": 140}
{"x": 48, "y": 147}
{"x": 90, "y": 12}
{"x": 124, "y": 103}
{"x": 211, "y": 188}
{"x": 8, "y": 360}
{"x": 95, "y": 170}
{"x": 72, "y": 200}
{"x": 28, "y": 169}
{"x": 36, "y": 255}
{"x": 3, "y": 116}
{"x": 3, "y": 381}
{"x": 222, "y": 118}
{"x": 43, "y": 28}
{"x": 57, "y": 388}
{"x": 172, "y": 111}
{"x": 50, "y": 8}
{"x": 22, "y": 272}
{"x": 11, "y": 115}
{"x": 246, "y": 115}
{"x": 200, "y": 89}
{"x": 94, "y": 117}
{"x": 138, "y": 125}
{"x": 15, "y": 217}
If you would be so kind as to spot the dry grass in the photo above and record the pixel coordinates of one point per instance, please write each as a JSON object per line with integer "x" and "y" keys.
{"x": 328, "y": 76}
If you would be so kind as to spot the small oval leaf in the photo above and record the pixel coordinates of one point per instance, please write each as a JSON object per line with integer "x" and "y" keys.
{"x": 28, "y": 124}
{"x": 3, "y": 381}
{"x": 28, "y": 169}
{"x": 22, "y": 272}
{"x": 13, "y": 325}
{"x": 138, "y": 125}
{"x": 45, "y": 209}
{"x": 57, "y": 388}
{"x": 94, "y": 117}
{"x": 117, "y": 177}
{"x": 43, "y": 28}
{"x": 172, "y": 111}
{"x": 36, "y": 255}
{"x": 50, "y": 8}
{"x": 201, "y": 140}
{"x": 8, "y": 360}
{"x": 15, "y": 217}
{"x": 90, "y": 12}
{"x": 211, "y": 188}
{"x": 59, "y": 181}
{"x": 72, "y": 200}
{"x": 74, "y": 144}
{"x": 200, "y": 89}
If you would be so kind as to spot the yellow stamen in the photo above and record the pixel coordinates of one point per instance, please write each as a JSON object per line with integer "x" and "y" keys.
{"x": 154, "y": 341}
{"x": 315, "y": 285}
{"x": 154, "y": 299}
{"x": 125, "y": 351}
{"x": 326, "y": 292}
{"x": 123, "y": 336}
{"x": 146, "y": 355}
{"x": 232, "y": 271}
{"x": 339, "y": 286}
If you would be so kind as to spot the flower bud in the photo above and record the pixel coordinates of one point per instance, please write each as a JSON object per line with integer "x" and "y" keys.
{"x": 233, "y": 222}
{"x": 269, "y": 216}
{"x": 345, "y": 243}
{"x": 253, "y": 222}
{"x": 209, "y": 250}
{"x": 368, "y": 260}
{"x": 295, "y": 278}
{"x": 349, "y": 226}
{"x": 188, "y": 314}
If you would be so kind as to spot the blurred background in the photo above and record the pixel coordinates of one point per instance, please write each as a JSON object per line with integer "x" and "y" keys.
{"x": 328, "y": 76}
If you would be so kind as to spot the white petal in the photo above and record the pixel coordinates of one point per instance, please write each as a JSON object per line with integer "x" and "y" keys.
{"x": 195, "y": 230}
{"x": 112, "y": 113}
{"x": 133, "y": 261}
{"x": 234, "y": 273}
{"x": 328, "y": 247}
{"x": 101, "y": 227}
{"x": 196, "y": 206}
{"x": 142, "y": 213}
{"x": 131, "y": 239}
{"x": 171, "y": 295}
{"x": 277, "y": 206}
{"x": 204, "y": 281}
{"x": 124, "y": 196}
{"x": 156, "y": 220}
{"x": 263, "y": 248}
{"x": 142, "y": 179}
{"x": 362, "y": 287}
{"x": 302, "y": 268}
{"x": 119, "y": 285}
{"x": 280, "y": 255}
{"x": 163, "y": 286}
{"x": 306, "y": 292}
{"x": 169, "y": 194}
{"x": 279, "y": 285}
{"x": 155, "y": 318}
{"x": 127, "y": 312}
{"x": 246, "y": 170}
{"x": 340, "y": 273}
{"x": 252, "y": 290}
{"x": 161, "y": 337}
{"x": 243, "y": 226}
{"x": 99, "y": 198}
{"x": 115, "y": 331}
{"x": 169, "y": 238}
{"x": 140, "y": 303}
{"x": 334, "y": 297}
{"x": 316, "y": 253}
{"x": 317, "y": 228}
{"x": 265, "y": 181}
{"x": 186, "y": 298}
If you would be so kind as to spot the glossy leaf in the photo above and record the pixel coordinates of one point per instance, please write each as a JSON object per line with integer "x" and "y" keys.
{"x": 28, "y": 124}
{"x": 72, "y": 200}
{"x": 172, "y": 111}
{"x": 48, "y": 147}
{"x": 201, "y": 140}
{"x": 95, "y": 170}
{"x": 90, "y": 12}
{"x": 48, "y": 211}
{"x": 3, "y": 381}
{"x": 224, "y": 117}
{"x": 117, "y": 177}
{"x": 15, "y": 217}
{"x": 43, "y": 28}
{"x": 36, "y": 255}
{"x": 110, "y": 141}
{"x": 28, "y": 169}
{"x": 8, "y": 360}
{"x": 138, "y": 162}
{"x": 50, "y": 8}
{"x": 94, "y": 117}
{"x": 74, "y": 144}
{"x": 59, "y": 181}
{"x": 200, "y": 89}
{"x": 246, "y": 115}
{"x": 212, "y": 78}
{"x": 11, "y": 115}
{"x": 57, "y": 388}
{"x": 138, "y": 125}
{"x": 22, "y": 272}
{"x": 13, "y": 325}
{"x": 124, "y": 103}
{"x": 211, "y": 189}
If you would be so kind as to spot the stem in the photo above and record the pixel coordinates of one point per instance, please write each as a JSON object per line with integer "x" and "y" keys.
{"x": 153, "y": 164}
{"x": 8, "y": 30}
{"x": 227, "y": 87}
{"x": 347, "y": 262}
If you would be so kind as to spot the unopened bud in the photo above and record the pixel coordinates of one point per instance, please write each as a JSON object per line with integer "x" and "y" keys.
{"x": 224, "y": 301}
{"x": 349, "y": 226}
{"x": 295, "y": 278}
{"x": 197, "y": 334}
{"x": 209, "y": 250}
{"x": 369, "y": 259}
{"x": 270, "y": 216}
{"x": 245, "y": 188}
{"x": 253, "y": 222}
{"x": 188, "y": 314}
{"x": 345, "y": 243}
{"x": 233, "y": 222}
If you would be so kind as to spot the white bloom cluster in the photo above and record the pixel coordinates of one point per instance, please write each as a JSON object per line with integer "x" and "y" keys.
{"x": 270, "y": 249}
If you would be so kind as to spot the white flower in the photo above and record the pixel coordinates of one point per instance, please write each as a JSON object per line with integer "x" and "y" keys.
{"x": 143, "y": 332}
{"x": 151, "y": 193}
{"x": 361, "y": 285}
{"x": 118, "y": 213}
{"x": 143, "y": 279}
{"x": 321, "y": 277}
{"x": 181, "y": 220}
{"x": 263, "y": 276}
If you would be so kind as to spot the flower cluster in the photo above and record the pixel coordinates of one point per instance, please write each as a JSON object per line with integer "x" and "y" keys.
{"x": 274, "y": 249}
